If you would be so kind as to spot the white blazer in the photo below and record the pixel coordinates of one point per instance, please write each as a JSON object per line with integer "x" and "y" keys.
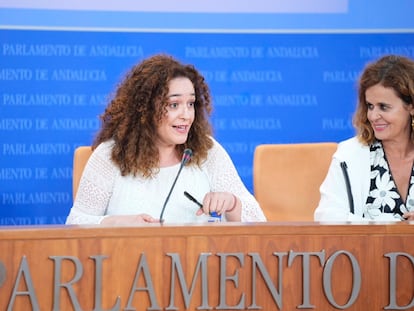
{"x": 334, "y": 204}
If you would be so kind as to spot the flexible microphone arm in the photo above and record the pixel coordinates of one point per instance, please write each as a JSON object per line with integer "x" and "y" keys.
{"x": 186, "y": 157}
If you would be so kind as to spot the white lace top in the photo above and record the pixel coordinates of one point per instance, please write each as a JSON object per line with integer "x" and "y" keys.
{"x": 103, "y": 191}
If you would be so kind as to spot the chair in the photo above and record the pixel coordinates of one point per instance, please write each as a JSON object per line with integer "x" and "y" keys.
{"x": 287, "y": 177}
{"x": 80, "y": 157}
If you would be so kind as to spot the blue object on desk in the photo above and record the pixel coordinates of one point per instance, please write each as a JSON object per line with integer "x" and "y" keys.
{"x": 214, "y": 217}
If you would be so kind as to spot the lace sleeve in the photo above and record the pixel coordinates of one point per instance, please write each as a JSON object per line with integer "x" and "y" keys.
{"x": 95, "y": 188}
{"x": 224, "y": 177}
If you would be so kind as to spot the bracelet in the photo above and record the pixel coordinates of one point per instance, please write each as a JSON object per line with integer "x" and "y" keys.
{"x": 234, "y": 205}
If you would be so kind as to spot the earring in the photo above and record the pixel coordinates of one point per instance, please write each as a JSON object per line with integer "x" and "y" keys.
{"x": 412, "y": 122}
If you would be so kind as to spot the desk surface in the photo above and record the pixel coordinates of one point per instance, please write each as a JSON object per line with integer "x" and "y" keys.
{"x": 212, "y": 229}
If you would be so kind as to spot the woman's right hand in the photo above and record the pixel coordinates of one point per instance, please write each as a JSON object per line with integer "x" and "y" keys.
{"x": 129, "y": 219}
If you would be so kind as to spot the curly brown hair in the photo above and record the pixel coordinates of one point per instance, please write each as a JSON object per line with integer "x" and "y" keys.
{"x": 391, "y": 71}
{"x": 138, "y": 106}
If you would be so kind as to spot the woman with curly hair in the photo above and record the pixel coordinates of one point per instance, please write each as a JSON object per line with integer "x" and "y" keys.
{"x": 159, "y": 112}
{"x": 371, "y": 177}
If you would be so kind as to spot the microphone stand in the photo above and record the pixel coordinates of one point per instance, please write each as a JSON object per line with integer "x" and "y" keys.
{"x": 186, "y": 157}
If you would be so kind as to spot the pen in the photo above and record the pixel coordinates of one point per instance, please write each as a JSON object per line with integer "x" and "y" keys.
{"x": 214, "y": 216}
{"x": 189, "y": 196}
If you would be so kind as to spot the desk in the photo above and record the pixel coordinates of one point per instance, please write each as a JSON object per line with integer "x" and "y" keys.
{"x": 266, "y": 266}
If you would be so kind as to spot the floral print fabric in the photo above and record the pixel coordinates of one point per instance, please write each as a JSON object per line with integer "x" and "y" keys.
{"x": 384, "y": 196}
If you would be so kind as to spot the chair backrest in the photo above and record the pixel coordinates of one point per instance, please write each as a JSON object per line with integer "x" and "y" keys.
{"x": 80, "y": 157}
{"x": 287, "y": 177}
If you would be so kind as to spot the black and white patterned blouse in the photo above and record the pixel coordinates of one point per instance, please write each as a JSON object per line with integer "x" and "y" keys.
{"x": 383, "y": 193}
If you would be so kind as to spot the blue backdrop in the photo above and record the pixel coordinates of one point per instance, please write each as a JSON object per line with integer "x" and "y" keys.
{"x": 267, "y": 87}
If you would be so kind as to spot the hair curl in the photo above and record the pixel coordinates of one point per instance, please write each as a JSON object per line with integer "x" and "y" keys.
{"x": 390, "y": 71}
{"x": 138, "y": 106}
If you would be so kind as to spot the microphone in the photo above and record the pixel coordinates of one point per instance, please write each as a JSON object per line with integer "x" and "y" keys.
{"x": 186, "y": 157}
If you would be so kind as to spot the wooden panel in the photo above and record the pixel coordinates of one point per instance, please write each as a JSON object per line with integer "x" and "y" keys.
{"x": 301, "y": 254}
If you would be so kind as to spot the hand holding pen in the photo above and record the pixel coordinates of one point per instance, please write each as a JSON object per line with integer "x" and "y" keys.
{"x": 190, "y": 197}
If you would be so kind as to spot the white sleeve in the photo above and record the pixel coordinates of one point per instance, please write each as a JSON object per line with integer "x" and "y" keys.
{"x": 95, "y": 188}
{"x": 334, "y": 204}
{"x": 225, "y": 178}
